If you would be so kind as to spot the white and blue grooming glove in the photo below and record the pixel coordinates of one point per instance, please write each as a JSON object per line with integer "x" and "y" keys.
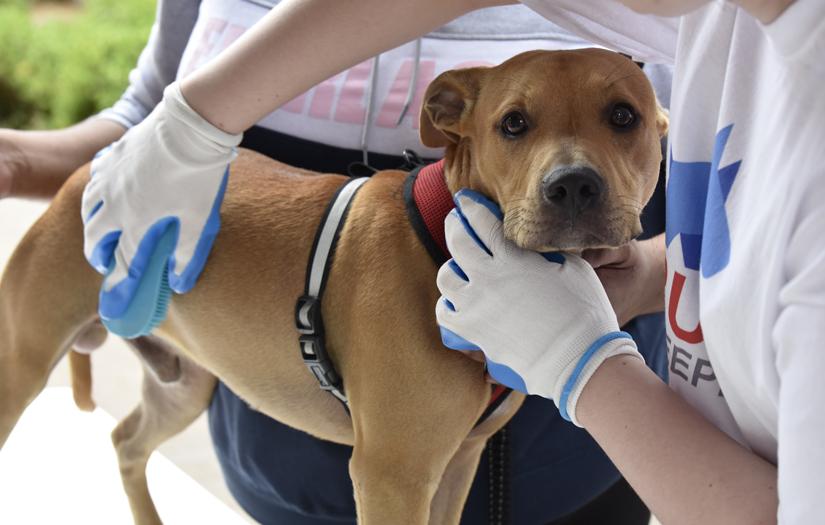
{"x": 151, "y": 209}
{"x": 543, "y": 321}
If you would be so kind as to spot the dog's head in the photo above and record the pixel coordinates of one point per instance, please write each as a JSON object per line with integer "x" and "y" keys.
{"x": 567, "y": 142}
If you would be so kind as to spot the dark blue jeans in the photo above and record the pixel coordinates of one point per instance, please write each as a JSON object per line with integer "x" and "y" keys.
{"x": 283, "y": 476}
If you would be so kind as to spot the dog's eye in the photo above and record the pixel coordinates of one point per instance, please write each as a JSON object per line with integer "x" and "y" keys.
{"x": 513, "y": 124}
{"x": 622, "y": 116}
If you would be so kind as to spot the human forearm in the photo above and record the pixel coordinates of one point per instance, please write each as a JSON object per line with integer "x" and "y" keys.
{"x": 684, "y": 468}
{"x": 36, "y": 163}
{"x": 302, "y": 42}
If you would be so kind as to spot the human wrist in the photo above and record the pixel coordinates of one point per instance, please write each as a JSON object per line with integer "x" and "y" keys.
{"x": 578, "y": 373}
{"x": 608, "y": 381}
{"x": 199, "y": 92}
{"x": 178, "y": 107}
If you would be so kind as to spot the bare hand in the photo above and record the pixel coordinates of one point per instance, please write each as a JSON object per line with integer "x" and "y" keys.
{"x": 35, "y": 164}
{"x": 633, "y": 276}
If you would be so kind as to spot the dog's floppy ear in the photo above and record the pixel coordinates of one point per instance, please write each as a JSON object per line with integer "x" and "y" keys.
{"x": 447, "y": 105}
{"x": 662, "y": 120}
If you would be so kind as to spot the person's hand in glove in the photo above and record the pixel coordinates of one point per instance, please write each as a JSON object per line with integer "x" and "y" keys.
{"x": 543, "y": 321}
{"x": 164, "y": 177}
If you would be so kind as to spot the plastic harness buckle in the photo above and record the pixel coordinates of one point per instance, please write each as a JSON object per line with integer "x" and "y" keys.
{"x": 308, "y": 315}
{"x": 308, "y": 319}
{"x": 317, "y": 361}
{"x": 310, "y": 325}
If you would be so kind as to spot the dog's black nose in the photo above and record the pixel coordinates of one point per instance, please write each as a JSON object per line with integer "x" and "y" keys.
{"x": 573, "y": 188}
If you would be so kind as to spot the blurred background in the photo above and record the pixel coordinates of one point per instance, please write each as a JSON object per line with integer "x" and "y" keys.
{"x": 62, "y": 61}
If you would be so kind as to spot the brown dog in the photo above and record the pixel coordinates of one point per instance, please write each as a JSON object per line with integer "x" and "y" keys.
{"x": 566, "y": 142}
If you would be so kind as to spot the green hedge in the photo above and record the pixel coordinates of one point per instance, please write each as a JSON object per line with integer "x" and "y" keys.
{"x": 61, "y": 70}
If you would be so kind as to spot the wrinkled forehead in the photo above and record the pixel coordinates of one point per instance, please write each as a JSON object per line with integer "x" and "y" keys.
{"x": 564, "y": 76}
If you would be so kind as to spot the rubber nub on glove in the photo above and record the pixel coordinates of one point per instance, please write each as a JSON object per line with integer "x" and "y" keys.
{"x": 151, "y": 301}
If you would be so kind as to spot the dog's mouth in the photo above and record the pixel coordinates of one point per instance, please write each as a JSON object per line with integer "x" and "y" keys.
{"x": 538, "y": 232}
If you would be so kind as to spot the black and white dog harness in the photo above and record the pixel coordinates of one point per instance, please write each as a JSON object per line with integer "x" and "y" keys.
{"x": 308, "y": 319}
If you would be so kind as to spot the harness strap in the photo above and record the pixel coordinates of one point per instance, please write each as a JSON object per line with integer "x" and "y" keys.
{"x": 308, "y": 319}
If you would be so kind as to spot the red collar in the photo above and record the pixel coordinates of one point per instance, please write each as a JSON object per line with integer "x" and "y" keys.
{"x": 433, "y": 201}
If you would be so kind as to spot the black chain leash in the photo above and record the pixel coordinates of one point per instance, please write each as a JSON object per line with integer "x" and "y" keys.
{"x": 498, "y": 458}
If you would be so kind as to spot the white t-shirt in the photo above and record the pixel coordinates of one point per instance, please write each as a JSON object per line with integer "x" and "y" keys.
{"x": 745, "y": 223}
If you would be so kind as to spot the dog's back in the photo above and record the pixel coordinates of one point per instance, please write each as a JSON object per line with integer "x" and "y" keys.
{"x": 238, "y": 322}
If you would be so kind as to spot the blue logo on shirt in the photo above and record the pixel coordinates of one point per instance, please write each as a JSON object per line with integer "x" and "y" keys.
{"x": 696, "y": 196}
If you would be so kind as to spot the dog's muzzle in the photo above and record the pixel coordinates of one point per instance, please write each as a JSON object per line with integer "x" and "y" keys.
{"x": 573, "y": 189}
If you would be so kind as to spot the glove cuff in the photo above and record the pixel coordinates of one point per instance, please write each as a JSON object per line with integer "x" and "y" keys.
{"x": 177, "y": 106}
{"x": 578, "y": 373}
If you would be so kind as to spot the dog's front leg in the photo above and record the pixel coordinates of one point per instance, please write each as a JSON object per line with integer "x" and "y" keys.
{"x": 409, "y": 424}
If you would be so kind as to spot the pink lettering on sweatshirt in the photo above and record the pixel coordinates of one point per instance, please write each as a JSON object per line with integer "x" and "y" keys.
{"x": 351, "y": 106}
